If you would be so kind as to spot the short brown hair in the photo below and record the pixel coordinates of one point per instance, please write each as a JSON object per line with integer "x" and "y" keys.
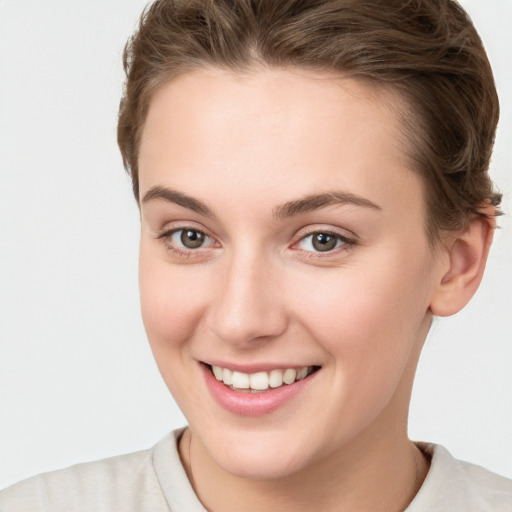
{"x": 426, "y": 50}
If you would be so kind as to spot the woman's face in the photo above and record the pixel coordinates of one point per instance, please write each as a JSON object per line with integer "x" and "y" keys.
{"x": 282, "y": 229}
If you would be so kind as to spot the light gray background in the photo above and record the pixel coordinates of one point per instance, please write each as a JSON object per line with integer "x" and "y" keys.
{"x": 77, "y": 379}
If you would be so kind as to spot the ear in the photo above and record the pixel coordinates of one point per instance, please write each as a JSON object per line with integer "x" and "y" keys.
{"x": 463, "y": 268}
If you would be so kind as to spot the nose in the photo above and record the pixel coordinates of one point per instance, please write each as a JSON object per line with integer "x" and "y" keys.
{"x": 247, "y": 307}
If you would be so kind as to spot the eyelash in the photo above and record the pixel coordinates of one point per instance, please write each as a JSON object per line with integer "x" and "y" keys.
{"x": 346, "y": 242}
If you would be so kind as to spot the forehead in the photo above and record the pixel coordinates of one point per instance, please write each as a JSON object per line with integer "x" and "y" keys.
{"x": 270, "y": 101}
{"x": 273, "y": 130}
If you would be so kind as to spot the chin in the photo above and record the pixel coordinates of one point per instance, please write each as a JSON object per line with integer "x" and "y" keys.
{"x": 258, "y": 455}
{"x": 257, "y": 466}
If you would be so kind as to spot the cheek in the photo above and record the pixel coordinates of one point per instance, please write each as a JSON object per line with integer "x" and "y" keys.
{"x": 171, "y": 305}
{"x": 171, "y": 302}
{"x": 368, "y": 317}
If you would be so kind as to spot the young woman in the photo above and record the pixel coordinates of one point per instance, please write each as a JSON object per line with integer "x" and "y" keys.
{"x": 312, "y": 182}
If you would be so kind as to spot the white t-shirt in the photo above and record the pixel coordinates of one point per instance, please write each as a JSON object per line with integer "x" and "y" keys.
{"x": 154, "y": 481}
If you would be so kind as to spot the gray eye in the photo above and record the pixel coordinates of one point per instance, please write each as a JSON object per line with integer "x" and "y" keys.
{"x": 191, "y": 239}
{"x": 324, "y": 242}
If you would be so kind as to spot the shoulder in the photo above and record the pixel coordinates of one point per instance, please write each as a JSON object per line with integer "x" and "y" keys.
{"x": 455, "y": 485}
{"x": 126, "y": 482}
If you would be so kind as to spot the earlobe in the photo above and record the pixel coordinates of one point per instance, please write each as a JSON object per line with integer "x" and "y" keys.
{"x": 460, "y": 277}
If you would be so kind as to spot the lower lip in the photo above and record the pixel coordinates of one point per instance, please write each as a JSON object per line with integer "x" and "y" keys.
{"x": 252, "y": 404}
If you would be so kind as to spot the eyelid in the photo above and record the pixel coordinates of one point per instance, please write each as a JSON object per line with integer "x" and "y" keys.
{"x": 167, "y": 232}
{"x": 171, "y": 227}
{"x": 328, "y": 230}
{"x": 171, "y": 232}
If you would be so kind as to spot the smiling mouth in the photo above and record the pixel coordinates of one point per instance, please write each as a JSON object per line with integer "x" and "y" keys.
{"x": 261, "y": 382}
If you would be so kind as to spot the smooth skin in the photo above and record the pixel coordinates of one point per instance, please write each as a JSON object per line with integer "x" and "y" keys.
{"x": 249, "y": 286}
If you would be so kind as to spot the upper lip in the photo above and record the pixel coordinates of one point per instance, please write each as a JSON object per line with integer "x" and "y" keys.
{"x": 254, "y": 367}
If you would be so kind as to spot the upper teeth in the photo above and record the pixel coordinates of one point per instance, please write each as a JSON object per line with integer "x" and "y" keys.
{"x": 260, "y": 380}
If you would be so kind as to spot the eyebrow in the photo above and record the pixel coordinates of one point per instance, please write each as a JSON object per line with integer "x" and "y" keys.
{"x": 303, "y": 205}
{"x": 316, "y": 201}
{"x": 173, "y": 196}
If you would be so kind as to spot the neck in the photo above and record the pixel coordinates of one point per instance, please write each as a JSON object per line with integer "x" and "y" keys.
{"x": 364, "y": 476}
